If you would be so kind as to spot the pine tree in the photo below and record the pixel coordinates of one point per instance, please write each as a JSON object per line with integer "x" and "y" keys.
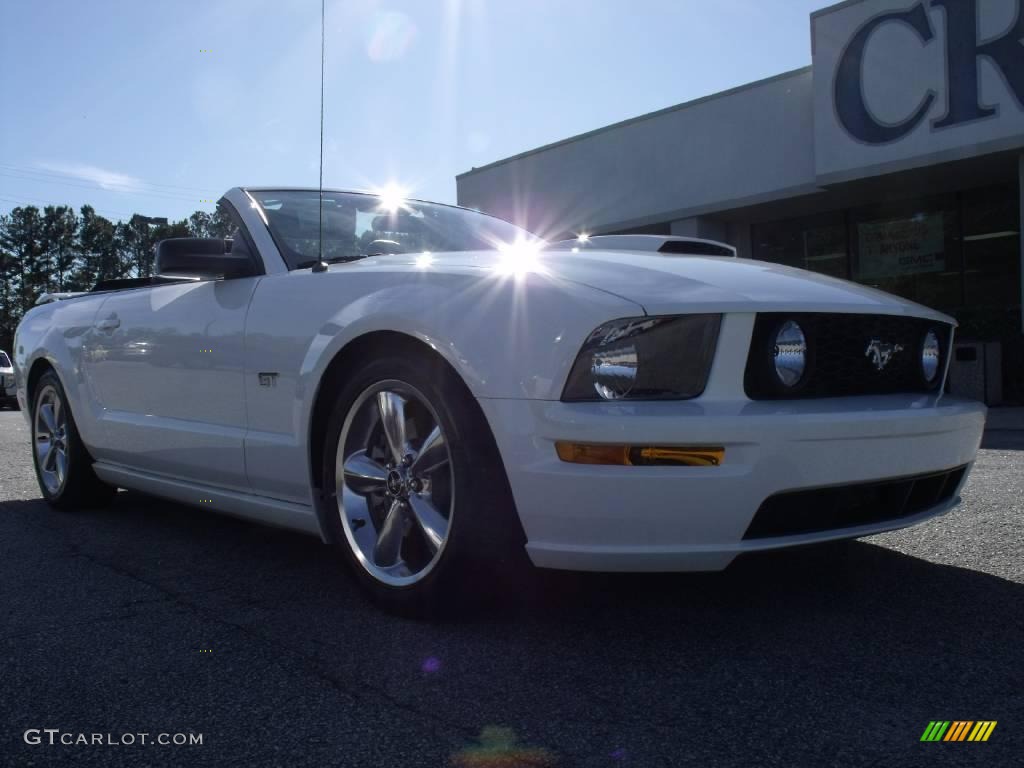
{"x": 101, "y": 258}
{"x": 60, "y": 227}
{"x": 58, "y": 250}
{"x": 23, "y": 238}
{"x": 10, "y": 310}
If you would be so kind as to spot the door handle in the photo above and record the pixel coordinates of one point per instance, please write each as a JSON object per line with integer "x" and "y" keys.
{"x": 110, "y": 323}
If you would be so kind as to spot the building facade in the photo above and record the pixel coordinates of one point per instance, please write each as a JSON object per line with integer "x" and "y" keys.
{"x": 895, "y": 160}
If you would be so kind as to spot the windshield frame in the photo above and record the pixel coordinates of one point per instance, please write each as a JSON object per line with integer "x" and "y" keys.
{"x": 289, "y": 255}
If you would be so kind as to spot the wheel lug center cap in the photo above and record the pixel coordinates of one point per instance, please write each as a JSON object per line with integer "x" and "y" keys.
{"x": 398, "y": 483}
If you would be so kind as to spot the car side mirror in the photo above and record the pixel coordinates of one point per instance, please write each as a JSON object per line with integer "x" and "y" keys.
{"x": 203, "y": 257}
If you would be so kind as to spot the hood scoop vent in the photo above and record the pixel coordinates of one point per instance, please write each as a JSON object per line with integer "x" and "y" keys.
{"x": 681, "y": 246}
{"x": 697, "y": 248}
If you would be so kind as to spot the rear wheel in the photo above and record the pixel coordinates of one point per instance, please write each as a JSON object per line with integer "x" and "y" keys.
{"x": 62, "y": 463}
{"x": 420, "y": 503}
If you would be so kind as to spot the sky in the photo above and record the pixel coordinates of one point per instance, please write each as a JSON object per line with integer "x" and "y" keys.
{"x": 158, "y": 107}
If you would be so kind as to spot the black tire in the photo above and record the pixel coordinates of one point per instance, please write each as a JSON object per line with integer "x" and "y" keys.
{"x": 484, "y": 550}
{"x": 79, "y": 487}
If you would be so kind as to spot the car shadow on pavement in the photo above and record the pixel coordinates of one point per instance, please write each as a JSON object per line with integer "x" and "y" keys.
{"x": 1003, "y": 439}
{"x": 839, "y": 654}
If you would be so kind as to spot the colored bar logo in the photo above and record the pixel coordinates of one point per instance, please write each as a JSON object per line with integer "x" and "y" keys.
{"x": 958, "y": 730}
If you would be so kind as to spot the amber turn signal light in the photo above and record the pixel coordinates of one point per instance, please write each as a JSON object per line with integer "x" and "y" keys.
{"x": 640, "y": 456}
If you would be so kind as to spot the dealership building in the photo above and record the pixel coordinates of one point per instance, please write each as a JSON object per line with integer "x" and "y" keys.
{"x": 895, "y": 160}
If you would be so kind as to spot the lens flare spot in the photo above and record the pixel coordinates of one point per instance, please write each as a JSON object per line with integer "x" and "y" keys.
{"x": 392, "y": 196}
{"x": 498, "y": 749}
{"x": 519, "y": 257}
{"x": 424, "y": 260}
{"x": 431, "y": 664}
{"x": 391, "y": 35}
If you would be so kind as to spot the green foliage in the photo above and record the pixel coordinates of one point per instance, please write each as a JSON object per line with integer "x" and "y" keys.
{"x": 58, "y": 250}
{"x": 59, "y": 232}
{"x": 22, "y": 237}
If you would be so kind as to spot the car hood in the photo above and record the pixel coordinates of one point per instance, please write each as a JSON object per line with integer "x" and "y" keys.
{"x": 670, "y": 283}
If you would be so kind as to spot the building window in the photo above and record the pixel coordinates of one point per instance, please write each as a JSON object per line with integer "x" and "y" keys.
{"x": 992, "y": 247}
{"x": 817, "y": 243}
{"x": 911, "y": 249}
{"x": 958, "y": 253}
{"x": 992, "y": 279}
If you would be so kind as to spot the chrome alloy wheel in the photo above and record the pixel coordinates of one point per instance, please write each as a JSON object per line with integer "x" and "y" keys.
{"x": 395, "y": 483}
{"x": 51, "y": 436}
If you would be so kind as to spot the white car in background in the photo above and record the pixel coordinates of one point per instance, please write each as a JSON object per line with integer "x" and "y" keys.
{"x": 8, "y": 391}
{"x": 438, "y": 393}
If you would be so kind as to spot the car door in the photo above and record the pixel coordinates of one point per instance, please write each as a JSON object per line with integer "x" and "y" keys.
{"x": 167, "y": 367}
{"x": 166, "y": 363}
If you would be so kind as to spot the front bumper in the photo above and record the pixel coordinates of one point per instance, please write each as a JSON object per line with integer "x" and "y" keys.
{"x": 655, "y": 518}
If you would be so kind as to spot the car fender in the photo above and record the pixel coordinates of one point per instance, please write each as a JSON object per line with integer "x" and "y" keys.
{"x": 512, "y": 338}
{"x": 55, "y": 333}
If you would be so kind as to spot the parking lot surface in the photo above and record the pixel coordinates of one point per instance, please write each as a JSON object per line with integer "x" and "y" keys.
{"x": 151, "y": 617}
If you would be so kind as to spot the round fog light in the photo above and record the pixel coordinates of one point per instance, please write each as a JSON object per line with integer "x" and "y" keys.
{"x": 931, "y": 353}
{"x": 790, "y": 353}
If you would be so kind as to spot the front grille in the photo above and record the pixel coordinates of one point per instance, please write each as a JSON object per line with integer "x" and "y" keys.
{"x": 848, "y": 506}
{"x": 838, "y": 363}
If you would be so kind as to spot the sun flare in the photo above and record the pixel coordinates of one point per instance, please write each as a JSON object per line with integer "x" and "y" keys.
{"x": 392, "y": 196}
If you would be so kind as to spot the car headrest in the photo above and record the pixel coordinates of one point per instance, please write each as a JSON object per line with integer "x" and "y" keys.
{"x": 399, "y": 222}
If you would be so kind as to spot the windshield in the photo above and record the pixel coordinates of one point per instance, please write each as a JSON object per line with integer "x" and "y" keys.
{"x": 356, "y": 224}
{"x": 5, "y": 361}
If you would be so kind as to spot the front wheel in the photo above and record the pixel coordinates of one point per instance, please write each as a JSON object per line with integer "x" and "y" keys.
{"x": 62, "y": 463}
{"x": 420, "y": 505}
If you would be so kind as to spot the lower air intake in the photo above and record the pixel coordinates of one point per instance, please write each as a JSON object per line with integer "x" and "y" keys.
{"x": 849, "y": 506}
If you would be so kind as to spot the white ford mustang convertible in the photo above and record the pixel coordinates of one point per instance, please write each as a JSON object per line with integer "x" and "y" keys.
{"x": 437, "y": 394}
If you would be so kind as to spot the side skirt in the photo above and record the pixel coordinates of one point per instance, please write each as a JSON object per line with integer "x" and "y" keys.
{"x": 284, "y": 514}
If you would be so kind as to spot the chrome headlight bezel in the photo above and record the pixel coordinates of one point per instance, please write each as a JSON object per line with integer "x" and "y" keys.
{"x": 645, "y": 358}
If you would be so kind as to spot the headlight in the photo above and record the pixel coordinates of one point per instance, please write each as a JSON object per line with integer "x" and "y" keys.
{"x": 790, "y": 353}
{"x": 931, "y": 354}
{"x": 645, "y": 358}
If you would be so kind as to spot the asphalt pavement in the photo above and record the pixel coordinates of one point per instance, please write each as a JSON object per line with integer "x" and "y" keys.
{"x": 156, "y": 618}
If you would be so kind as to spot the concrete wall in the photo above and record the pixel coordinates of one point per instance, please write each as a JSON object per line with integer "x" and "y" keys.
{"x": 744, "y": 146}
{"x": 701, "y": 226}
